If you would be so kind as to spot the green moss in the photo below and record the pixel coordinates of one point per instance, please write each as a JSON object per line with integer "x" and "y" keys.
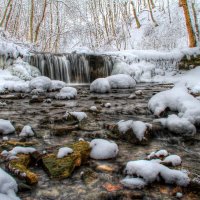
{"x": 20, "y": 168}
{"x": 63, "y": 167}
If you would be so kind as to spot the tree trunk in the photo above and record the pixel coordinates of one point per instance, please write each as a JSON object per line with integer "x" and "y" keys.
{"x": 151, "y": 14}
{"x": 135, "y": 15}
{"x": 31, "y": 20}
{"x": 191, "y": 35}
{"x": 40, "y": 22}
{"x": 8, "y": 16}
{"x": 195, "y": 20}
{"x": 5, "y": 12}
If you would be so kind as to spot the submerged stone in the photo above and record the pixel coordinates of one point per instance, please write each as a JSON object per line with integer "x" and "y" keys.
{"x": 63, "y": 167}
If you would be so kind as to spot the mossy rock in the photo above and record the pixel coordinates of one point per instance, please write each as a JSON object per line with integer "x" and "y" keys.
{"x": 19, "y": 167}
{"x": 8, "y": 145}
{"x": 63, "y": 167}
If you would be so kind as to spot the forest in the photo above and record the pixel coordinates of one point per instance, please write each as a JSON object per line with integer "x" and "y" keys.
{"x": 99, "y": 99}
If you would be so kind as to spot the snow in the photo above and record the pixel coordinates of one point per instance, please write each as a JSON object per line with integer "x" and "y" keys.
{"x": 103, "y": 149}
{"x": 178, "y": 125}
{"x": 161, "y": 153}
{"x": 179, "y": 195}
{"x": 176, "y": 99}
{"x": 107, "y": 105}
{"x": 21, "y": 150}
{"x": 133, "y": 183}
{"x": 57, "y": 85}
{"x": 93, "y": 108}
{"x": 23, "y": 70}
{"x": 6, "y": 127}
{"x": 41, "y": 82}
{"x": 100, "y": 85}
{"x": 67, "y": 93}
{"x": 64, "y": 151}
{"x": 78, "y": 115}
{"x": 139, "y": 128}
{"x": 121, "y": 81}
{"x": 174, "y": 160}
{"x": 152, "y": 171}
{"x": 26, "y": 132}
{"x": 141, "y": 71}
{"x": 158, "y": 154}
{"x": 8, "y": 186}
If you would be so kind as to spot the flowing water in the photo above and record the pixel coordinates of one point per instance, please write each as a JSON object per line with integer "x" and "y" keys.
{"x": 88, "y": 182}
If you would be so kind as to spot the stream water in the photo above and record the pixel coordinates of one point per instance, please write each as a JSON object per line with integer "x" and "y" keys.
{"x": 88, "y": 182}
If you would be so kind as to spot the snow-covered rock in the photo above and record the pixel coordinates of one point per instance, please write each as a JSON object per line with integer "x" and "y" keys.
{"x": 100, "y": 85}
{"x": 26, "y": 132}
{"x": 103, "y": 149}
{"x": 158, "y": 154}
{"x": 37, "y": 92}
{"x": 8, "y": 186}
{"x": 78, "y": 115}
{"x": 64, "y": 151}
{"x": 17, "y": 86}
{"x": 176, "y": 99}
{"x": 6, "y": 127}
{"x": 23, "y": 70}
{"x": 41, "y": 82}
{"x": 121, "y": 81}
{"x": 57, "y": 85}
{"x": 138, "y": 128}
{"x": 142, "y": 71}
{"x": 178, "y": 125}
{"x": 133, "y": 183}
{"x": 152, "y": 171}
{"x": 93, "y": 108}
{"x": 107, "y": 105}
{"x": 23, "y": 150}
{"x": 67, "y": 93}
{"x": 173, "y": 160}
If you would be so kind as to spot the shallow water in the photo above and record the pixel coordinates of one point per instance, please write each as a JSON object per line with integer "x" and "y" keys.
{"x": 87, "y": 182}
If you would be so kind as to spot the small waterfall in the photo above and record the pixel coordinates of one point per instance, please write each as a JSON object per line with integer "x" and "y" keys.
{"x": 72, "y": 68}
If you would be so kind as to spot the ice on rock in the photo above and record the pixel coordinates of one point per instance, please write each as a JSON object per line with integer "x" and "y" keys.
{"x": 67, "y": 93}
{"x": 176, "y": 99}
{"x": 41, "y": 82}
{"x": 174, "y": 160}
{"x": 23, "y": 70}
{"x": 78, "y": 115}
{"x": 23, "y": 150}
{"x": 57, "y": 85}
{"x": 8, "y": 186}
{"x": 142, "y": 71}
{"x": 6, "y": 127}
{"x": 64, "y": 151}
{"x": 26, "y": 132}
{"x": 139, "y": 128}
{"x": 152, "y": 171}
{"x": 133, "y": 183}
{"x": 103, "y": 149}
{"x": 121, "y": 81}
{"x": 100, "y": 85}
{"x": 178, "y": 125}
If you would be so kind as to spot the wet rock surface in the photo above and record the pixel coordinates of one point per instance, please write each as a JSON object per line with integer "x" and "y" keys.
{"x": 91, "y": 179}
